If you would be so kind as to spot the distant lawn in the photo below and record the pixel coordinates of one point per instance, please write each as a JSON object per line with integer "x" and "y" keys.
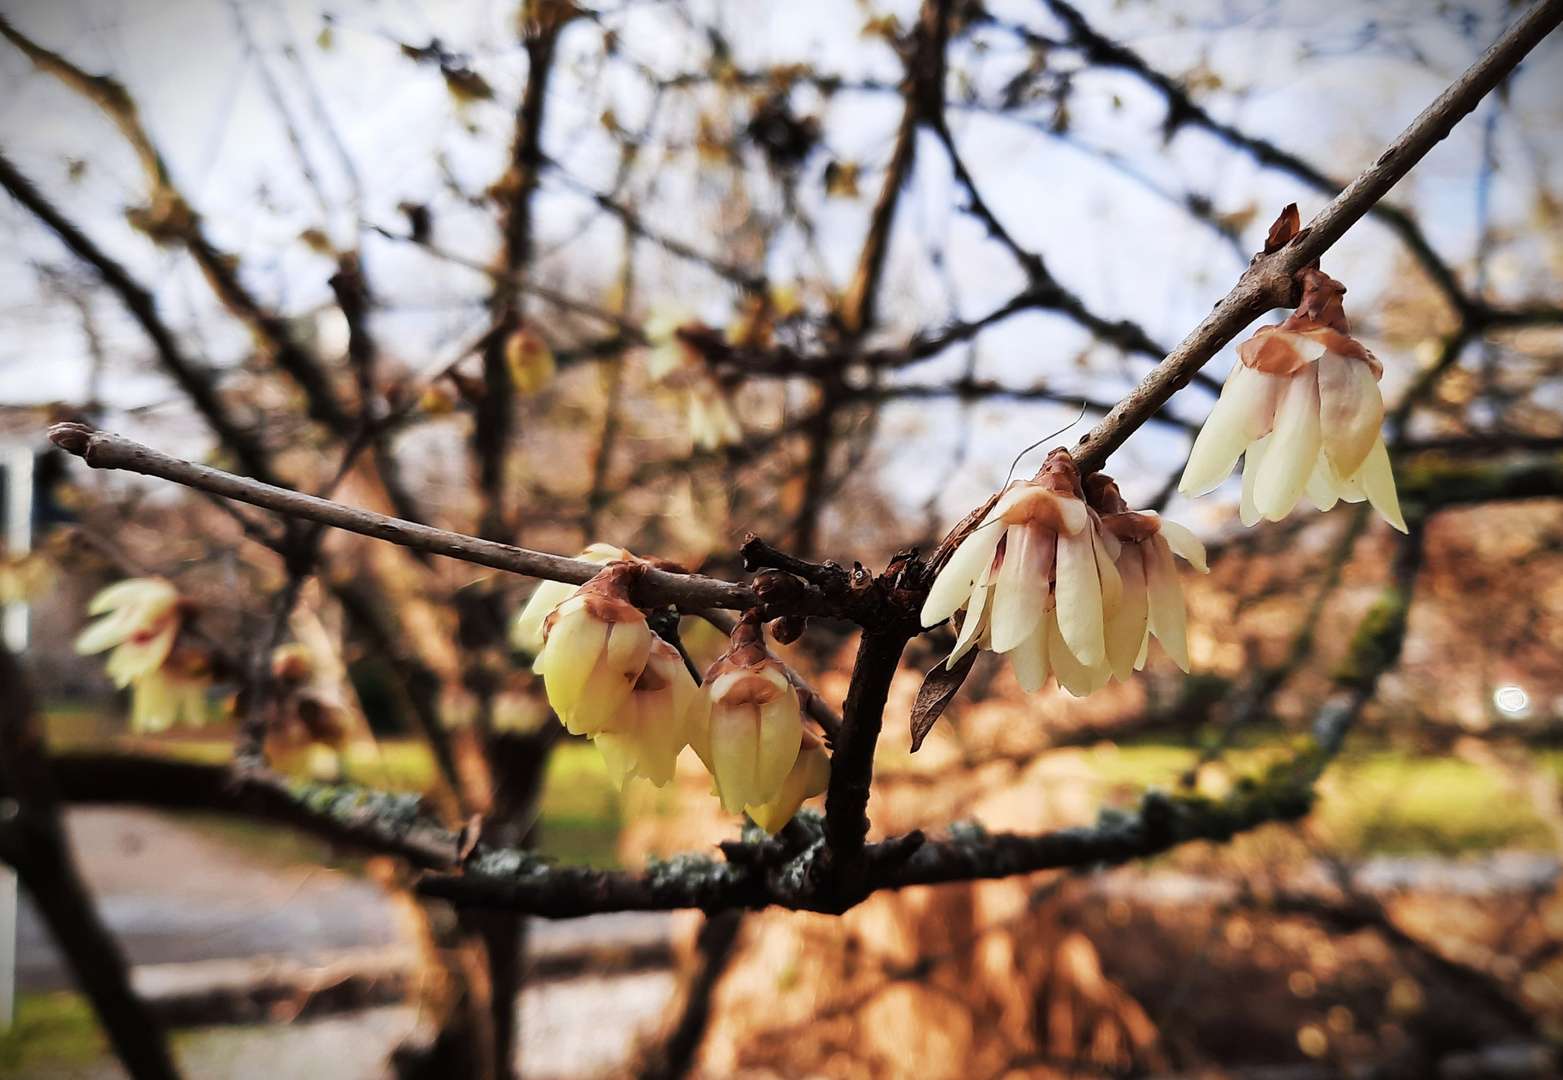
{"x": 51, "y": 1029}
{"x": 1371, "y": 800}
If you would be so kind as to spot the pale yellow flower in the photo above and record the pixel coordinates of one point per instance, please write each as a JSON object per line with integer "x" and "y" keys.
{"x": 747, "y": 722}
{"x": 712, "y": 422}
{"x": 530, "y": 360}
{"x": 141, "y": 621}
{"x": 174, "y": 693}
{"x": 645, "y": 736}
{"x": 1142, "y": 545}
{"x": 810, "y": 776}
{"x": 1303, "y": 404}
{"x": 527, "y": 633}
{"x": 1033, "y": 577}
{"x": 595, "y": 647}
{"x": 668, "y": 352}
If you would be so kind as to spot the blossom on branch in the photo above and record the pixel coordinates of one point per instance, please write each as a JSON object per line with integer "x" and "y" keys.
{"x": 1304, "y": 405}
{"x": 1143, "y": 544}
{"x": 747, "y": 722}
{"x": 141, "y": 621}
{"x": 174, "y": 693}
{"x": 530, "y": 360}
{"x": 595, "y": 646}
{"x": 1065, "y": 587}
{"x": 527, "y": 633}
{"x": 649, "y": 730}
{"x": 810, "y": 776}
{"x": 712, "y": 422}
{"x": 1034, "y": 578}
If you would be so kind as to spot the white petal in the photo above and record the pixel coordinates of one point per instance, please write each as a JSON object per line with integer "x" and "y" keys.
{"x": 527, "y": 634}
{"x": 975, "y": 626}
{"x": 1168, "y": 619}
{"x": 1378, "y": 480}
{"x": 1293, "y": 450}
{"x": 1323, "y": 489}
{"x": 1079, "y": 679}
{"x": 1020, "y": 591}
{"x": 1183, "y": 542}
{"x": 1029, "y": 659}
{"x": 735, "y": 749}
{"x": 1126, "y": 632}
{"x": 1243, "y": 413}
{"x": 1107, "y": 573}
{"x": 1247, "y": 511}
{"x": 780, "y": 735}
{"x": 1078, "y": 590}
{"x": 1351, "y": 411}
{"x": 106, "y": 633}
{"x": 569, "y": 659}
{"x": 952, "y": 589}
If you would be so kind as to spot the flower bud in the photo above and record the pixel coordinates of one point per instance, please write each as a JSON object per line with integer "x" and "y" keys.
{"x": 595, "y": 646}
{"x": 810, "y": 776}
{"x": 530, "y": 360}
{"x": 747, "y": 723}
{"x": 645, "y": 736}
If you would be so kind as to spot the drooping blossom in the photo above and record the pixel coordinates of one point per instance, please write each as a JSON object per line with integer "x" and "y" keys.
{"x": 673, "y": 334}
{"x": 527, "y": 633}
{"x": 1034, "y": 579}
{"x": 530, "y": 360}
{"x": 173, "y": 693}
{"x": 810, "y": 776}
{"x": 595, "y": 646}
{"x": 668, "y": 350}
{"x": 644, "y": 737}
{"x": 712, "y": 422}
{"x": 1143, "y": 544}
{"x": 747, "y": 722}
{"x": 141, "y": 619}
{"x": 1304, "y": 405}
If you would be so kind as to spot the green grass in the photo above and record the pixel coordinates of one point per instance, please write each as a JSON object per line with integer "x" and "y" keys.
{"x": 582, "y": 811}
{"x": 1395, "y": 803}
{"x": 51, "y": 1029}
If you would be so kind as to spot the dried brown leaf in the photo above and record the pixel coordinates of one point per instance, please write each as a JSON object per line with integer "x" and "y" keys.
{"x": 939, "y": 686}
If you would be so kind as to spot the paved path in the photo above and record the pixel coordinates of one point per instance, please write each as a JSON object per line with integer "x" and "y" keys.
{"x": 184, "y": 903}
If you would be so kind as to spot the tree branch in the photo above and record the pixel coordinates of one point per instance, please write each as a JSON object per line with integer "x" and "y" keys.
{"x": 1268, "y": 282}
{"x": 102, "y": 450}
{"x": 194, "y": 379}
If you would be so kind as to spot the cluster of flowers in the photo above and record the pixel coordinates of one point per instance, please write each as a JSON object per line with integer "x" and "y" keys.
{"x": 610, "y": 678}
{"x": 1065, "y": 579}
{"x": 141, "y": 621}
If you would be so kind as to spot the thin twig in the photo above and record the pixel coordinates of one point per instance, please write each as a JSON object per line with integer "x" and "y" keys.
{"x": 102, "y": 450}
{"x": 1268, "y": 282}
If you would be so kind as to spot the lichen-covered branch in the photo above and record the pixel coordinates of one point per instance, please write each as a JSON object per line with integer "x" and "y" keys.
{"x": 355, "y": 817}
